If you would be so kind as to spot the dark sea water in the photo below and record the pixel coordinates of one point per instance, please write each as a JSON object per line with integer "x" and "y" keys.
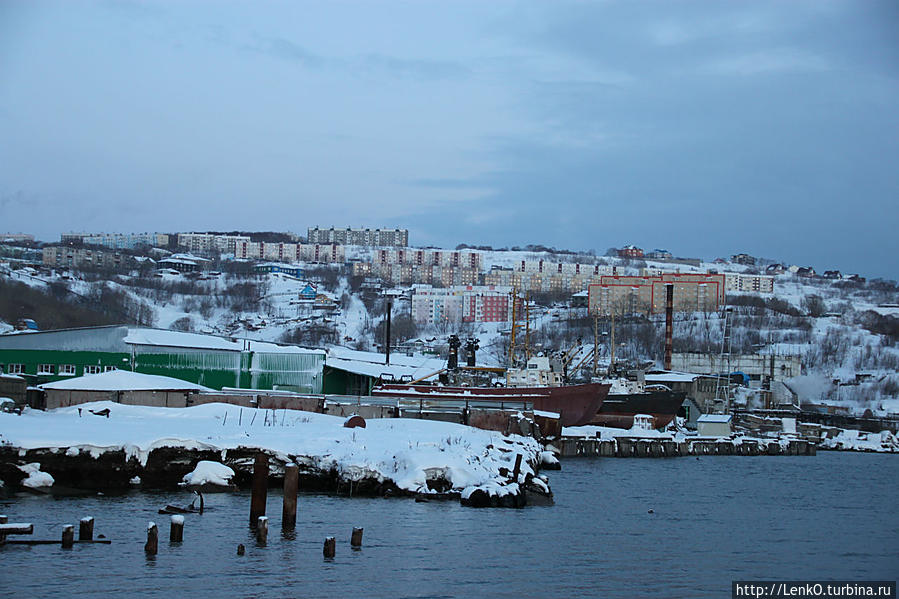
{"x": 832, "y": 516}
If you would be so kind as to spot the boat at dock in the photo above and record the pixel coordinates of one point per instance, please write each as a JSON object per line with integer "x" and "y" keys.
{"x": 575, "y": 404}
{"x": 628, "y": 398}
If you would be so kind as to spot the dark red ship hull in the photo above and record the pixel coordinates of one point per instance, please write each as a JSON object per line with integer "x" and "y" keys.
{"x": 618, "y": 411}
{"x": 575, "y": 404}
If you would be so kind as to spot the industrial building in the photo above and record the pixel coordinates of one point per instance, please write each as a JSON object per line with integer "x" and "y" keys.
{"x": 207, "y": 360}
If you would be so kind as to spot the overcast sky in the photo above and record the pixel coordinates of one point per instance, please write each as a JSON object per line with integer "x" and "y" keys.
{"x": 706, "y": 128}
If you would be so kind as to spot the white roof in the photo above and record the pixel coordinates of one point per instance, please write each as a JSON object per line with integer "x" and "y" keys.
{"x": 671, "y": 377}
{"x": 374, "y": 369}
{"x": 195, "y": 340}
{"x": 14, "y": 377}
{"x": 372, "y": 363}
{"x": 722, "y": 418}
{"x": 123, "y": 380}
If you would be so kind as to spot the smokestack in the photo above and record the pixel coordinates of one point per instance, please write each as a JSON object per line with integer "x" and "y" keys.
{"x": 387, "y": 343}
{"x": 669, "y": 325}
{"x": 452, "y": 360}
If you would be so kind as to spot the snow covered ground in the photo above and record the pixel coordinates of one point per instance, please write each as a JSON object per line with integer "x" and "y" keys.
{"x": 400, "y": 450}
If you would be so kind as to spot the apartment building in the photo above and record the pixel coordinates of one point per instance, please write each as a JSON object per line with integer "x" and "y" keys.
{"x": 367, "y": 237}
{"x": 17, "y": 237}
{"x": 203, "y": 243}
{"x": 79, "y": 257}
{"x": 461, "y": 303}
{"x": 116, "y": 241}
{"x": 748, "y": 283}
{"x": 544, "y": 275}
{"x": 290, "y": 252}
{"x": 693, "y": 292}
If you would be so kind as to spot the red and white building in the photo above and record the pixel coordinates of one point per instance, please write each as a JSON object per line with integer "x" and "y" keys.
{"x": 461, "y": 303}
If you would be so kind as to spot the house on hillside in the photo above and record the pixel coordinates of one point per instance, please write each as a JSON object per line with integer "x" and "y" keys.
{"x": 833, "y": 274}
{"x": 308, "y": 292}
{"x": 630, "y": 251}
{"x": 183, "y": 263}
{"x": 743, "y": 259}
{"x": 806, "y": 272}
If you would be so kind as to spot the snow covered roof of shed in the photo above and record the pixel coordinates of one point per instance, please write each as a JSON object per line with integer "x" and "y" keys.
{"x": 722, "y": 418}
{"x": 123, "y": 380}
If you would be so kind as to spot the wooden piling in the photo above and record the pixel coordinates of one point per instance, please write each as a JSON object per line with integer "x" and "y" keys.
{"x": 152, "y": 545}
{"x": 4, "y": 519}
{"x": 176, "y": 533}
{"x": 356, "y": 538}
{"x": 517, "y": 470}
{"x": 260, "y": 488}
{"x": 291, "y": 482}
{"x": 86, "y": 529}
{"x": 262, "y": 530}
{"x": 68, "y": 536}
{"x": 329, "y": 548}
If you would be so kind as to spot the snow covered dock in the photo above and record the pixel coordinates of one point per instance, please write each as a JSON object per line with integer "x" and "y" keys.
{"x": 396, "y": 456}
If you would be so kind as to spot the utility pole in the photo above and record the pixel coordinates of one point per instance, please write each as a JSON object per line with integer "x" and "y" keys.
{"x": 595, "y": 341}
{"x": 612, "y": 346}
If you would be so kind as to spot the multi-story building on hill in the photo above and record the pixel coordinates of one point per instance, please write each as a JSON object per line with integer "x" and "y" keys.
{"x": 630, "y": 251}
{"x": 291, "y": 252}
{"x": 117, "y": 241}
{"x": 461, "y": 303}
{"x": 693, "y": 292}
{"x": 79, "y": 257}
{"x": 368, "y": 237}
{"x": 203, "y": 243}
{"x": 751, "y": 283}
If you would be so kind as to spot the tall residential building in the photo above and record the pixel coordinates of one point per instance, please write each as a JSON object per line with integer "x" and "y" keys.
{"x": 461, "y": 303}
{"x": 202, "y": 243}
{"x": 368, "y": 237}
{"x": 753, "y": 283}
{"x": 116, "y": 241}
{"x": 693, "y": 292}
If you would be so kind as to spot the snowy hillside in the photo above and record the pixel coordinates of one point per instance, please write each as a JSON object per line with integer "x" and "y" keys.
{"x": 844, "y": 331}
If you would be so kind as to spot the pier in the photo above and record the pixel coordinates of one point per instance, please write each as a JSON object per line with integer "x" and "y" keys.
{"x": 653, "y": 447}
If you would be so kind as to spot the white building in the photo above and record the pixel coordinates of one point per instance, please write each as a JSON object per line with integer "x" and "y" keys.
{"x": 748, "y": 283}
{"x": 461, "y": 303}
{"x": 207, "y": 242}
{"x": 367, "y": 237}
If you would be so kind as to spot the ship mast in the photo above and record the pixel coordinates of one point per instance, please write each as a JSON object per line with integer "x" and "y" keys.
{"x": 514, "y": 295}
{"x": 527, "y": 327}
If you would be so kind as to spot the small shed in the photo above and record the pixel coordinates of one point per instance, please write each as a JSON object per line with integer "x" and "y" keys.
{"x": 714, "y": 425}
{"x": 121, "y": 386}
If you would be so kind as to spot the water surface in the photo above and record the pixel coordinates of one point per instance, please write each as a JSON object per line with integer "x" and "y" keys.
{"x": 714, "y": 520}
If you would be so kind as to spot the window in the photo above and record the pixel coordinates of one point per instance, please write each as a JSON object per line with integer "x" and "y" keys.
{"x": 67, "y": 370}
{"x": 91, "y": 370}
{"x": 108, "y": 368}
{"x": 46, "y": 369}
{"x": 15, "y": 369}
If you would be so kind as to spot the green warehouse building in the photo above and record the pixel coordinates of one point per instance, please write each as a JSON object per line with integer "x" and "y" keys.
{"x": 211, "y": 361}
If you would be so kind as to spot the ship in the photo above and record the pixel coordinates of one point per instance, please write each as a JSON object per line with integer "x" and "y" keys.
{"x": 576, "y": 405}
{"x": 627, "y": 398}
